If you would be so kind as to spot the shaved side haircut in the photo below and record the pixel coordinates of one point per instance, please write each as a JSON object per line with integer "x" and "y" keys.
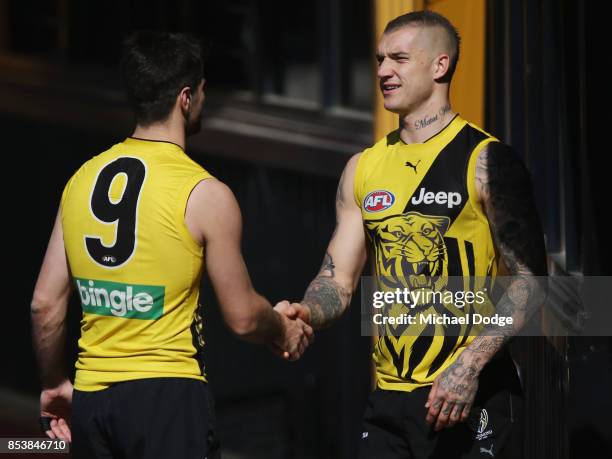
{"x": 431, "y": 19}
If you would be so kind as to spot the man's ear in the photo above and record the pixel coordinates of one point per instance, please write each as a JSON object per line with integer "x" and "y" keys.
{"x": 441, "y": 65}
{"x": 185, "y": 98}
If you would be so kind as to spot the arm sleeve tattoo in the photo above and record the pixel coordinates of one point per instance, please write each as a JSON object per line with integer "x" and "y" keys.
{"x": 509, "y": 204}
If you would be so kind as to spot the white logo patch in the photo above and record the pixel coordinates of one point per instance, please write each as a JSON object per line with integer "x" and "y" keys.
{"x": 481, "y": 433}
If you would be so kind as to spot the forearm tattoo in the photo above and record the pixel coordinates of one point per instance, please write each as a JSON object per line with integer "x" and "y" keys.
{"x": 327, "y": 269}
{"x": 505, "y": 187}
{"x": 325, "y": 298}
{"x": 458, "y": 378}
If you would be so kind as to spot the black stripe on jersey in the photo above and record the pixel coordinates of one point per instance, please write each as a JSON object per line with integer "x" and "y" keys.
{"x": 398, "y": 359}
{"x": 489, "y": 280}
{"x": 450, "y": 340}
{"x": 494, "y": 289}
{"x": 419, "y": 348}
{"x": 448, "y": 173}
{"x": 454, "y": 259}
{"x": 455, "y": 270}
{"x": 469, "y": 253}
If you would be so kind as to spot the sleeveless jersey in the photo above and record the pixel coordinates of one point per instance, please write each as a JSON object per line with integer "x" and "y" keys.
{"x": 135, "y": 265}
{"x": 424, "y": 223}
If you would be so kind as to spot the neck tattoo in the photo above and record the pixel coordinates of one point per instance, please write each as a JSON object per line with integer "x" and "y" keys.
{"x": 429, "y": 119}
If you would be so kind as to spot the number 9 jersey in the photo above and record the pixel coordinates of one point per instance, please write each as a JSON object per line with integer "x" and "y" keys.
{"x": 135, "y": 266}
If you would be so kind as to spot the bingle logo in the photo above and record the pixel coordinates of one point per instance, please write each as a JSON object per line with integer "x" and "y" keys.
{"x": 378, "y": 200}
{"x": 129, "y": 301}
{"x": 441, "y": 197}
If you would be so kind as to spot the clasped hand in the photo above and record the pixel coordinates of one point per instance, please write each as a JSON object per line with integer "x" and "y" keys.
{"x": 297, "y": 335}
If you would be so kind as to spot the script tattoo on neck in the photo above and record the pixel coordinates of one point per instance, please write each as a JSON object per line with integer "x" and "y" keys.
{"x": 427, "y": 120}
{"x": 444, "y": 110}
{"x": 424, "y": 122}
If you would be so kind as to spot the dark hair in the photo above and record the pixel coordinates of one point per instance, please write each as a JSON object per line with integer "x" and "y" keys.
{"x": 428, "y": 18}
{"x": 155, "y": 67}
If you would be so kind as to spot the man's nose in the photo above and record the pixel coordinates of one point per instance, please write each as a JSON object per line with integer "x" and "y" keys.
{"x": 385, "y": 69}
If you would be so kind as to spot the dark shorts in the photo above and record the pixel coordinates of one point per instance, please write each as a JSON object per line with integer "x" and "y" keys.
{"x": 165, "y": 418}
{"x": 394, "y": 422}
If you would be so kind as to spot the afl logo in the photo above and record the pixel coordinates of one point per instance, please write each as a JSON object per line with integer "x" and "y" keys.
{"x": 378, "y": 200}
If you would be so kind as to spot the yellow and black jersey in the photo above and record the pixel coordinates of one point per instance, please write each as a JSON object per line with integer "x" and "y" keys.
{"x": 425, "y": 225}
{"x": 135, "y": 266}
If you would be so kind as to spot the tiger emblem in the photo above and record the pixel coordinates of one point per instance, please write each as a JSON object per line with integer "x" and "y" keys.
{"x": 410, "y": 251}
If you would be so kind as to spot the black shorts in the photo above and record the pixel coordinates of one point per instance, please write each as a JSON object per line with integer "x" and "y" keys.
{"x": 165, "y": 418}
{"x": 394, "y": 422}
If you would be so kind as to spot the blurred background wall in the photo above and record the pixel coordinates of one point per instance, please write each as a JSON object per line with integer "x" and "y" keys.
{"x": 291, "y": 94}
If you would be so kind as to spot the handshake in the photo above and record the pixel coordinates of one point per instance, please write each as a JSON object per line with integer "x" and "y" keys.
{"x": 296, "y": 334}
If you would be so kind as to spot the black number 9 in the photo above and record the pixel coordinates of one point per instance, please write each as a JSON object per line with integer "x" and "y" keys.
{"x": 123, "y": 212}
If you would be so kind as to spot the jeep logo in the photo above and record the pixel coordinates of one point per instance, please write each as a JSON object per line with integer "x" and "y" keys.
{"x": 441, "y": 197}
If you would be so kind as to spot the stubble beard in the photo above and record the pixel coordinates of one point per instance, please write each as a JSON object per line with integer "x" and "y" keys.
{"x": 194, "y": 126}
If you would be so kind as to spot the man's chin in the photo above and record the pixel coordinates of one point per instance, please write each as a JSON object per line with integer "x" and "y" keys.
{"x": 393, "y": 108}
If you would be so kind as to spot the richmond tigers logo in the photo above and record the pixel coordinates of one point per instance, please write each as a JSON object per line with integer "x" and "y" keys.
{"x": 410, "y": 251}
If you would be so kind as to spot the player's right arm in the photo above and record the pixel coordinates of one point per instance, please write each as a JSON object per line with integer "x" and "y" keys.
{"x": 48, "y": 311}
{"x": 214, "y": 220}
{"x": 330, "y": 292}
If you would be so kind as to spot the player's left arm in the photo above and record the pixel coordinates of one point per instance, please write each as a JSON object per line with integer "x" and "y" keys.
{"x": 48, "y": 312}
{"x": 505, "y": 192}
